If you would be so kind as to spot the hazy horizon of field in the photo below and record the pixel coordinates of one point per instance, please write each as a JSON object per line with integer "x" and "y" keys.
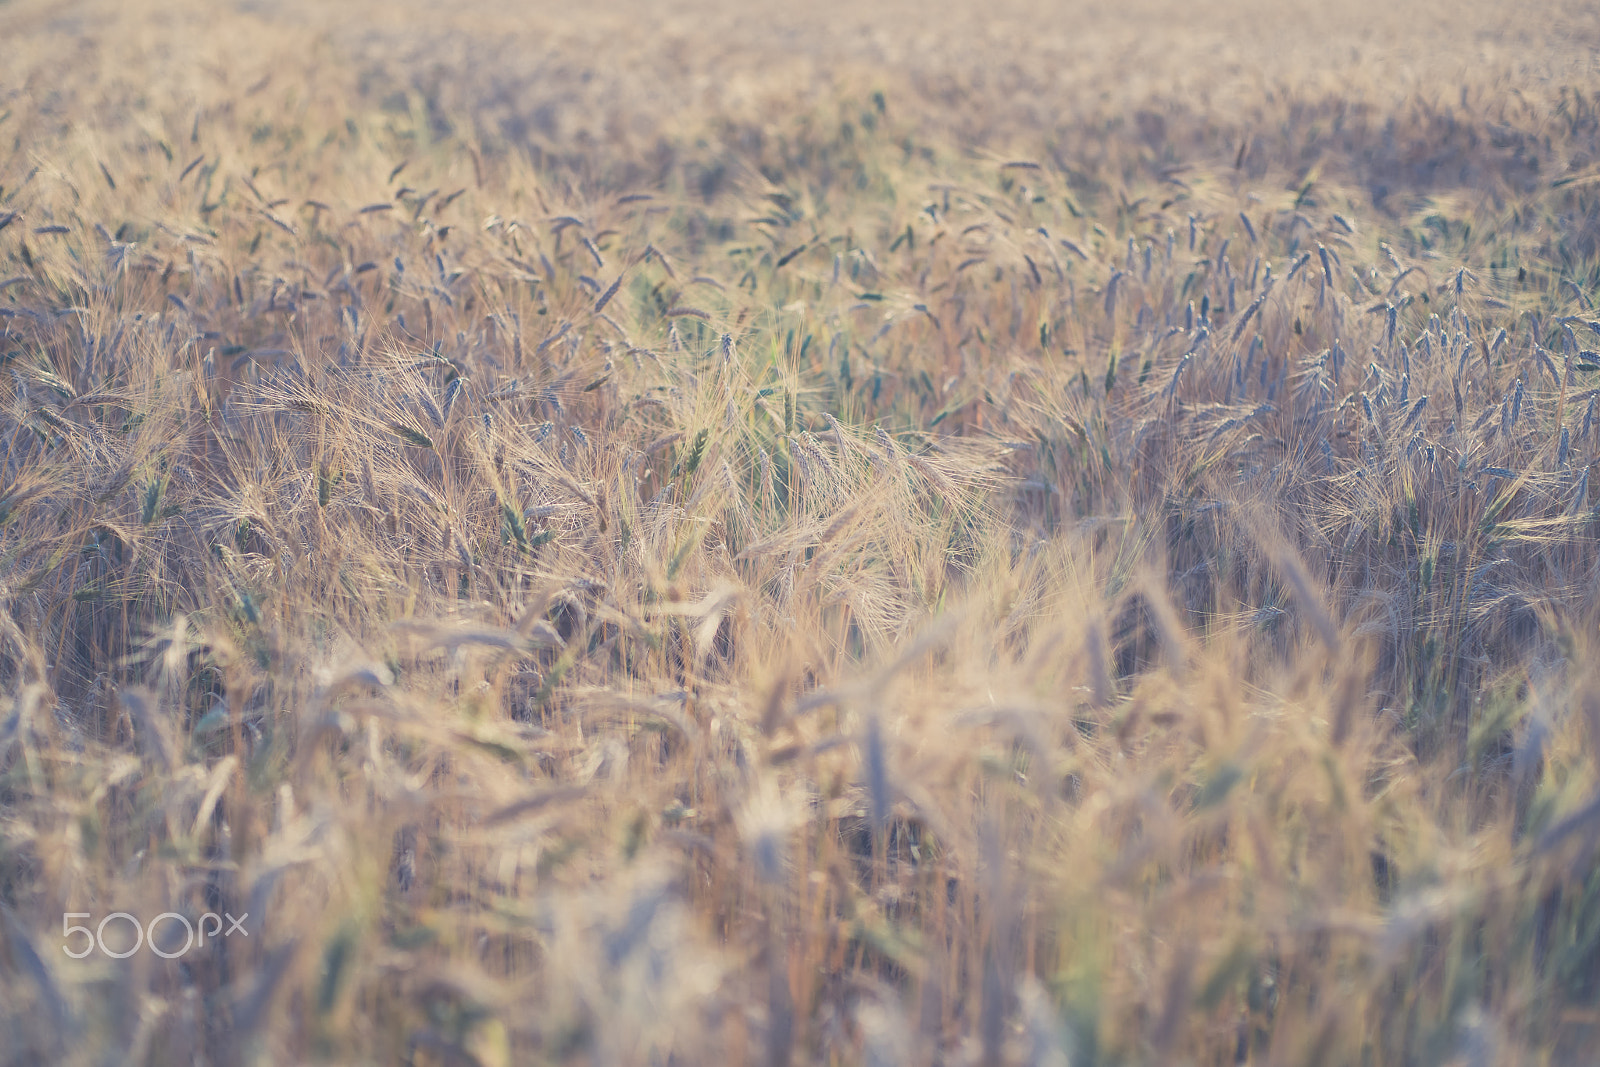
{"x": 849, "y": 533}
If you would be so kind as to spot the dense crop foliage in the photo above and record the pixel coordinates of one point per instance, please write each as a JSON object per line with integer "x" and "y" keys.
{"x": 696, "y": 535}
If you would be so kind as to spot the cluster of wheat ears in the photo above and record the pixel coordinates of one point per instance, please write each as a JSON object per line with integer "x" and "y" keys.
{"x": 803, "y": 537}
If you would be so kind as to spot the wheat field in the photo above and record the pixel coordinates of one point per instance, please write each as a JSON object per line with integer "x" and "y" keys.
{"x": 876, "y": 533}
